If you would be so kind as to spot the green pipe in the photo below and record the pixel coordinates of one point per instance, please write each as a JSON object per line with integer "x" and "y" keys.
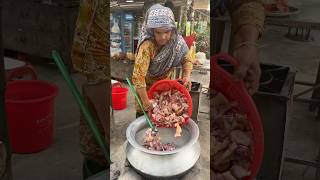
{"x": 140, "y": 104}
{"x": 81, "y": 103}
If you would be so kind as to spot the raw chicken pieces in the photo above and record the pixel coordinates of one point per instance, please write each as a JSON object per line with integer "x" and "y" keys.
{"x": 154, "y": 143}
{"x": 171, "y": 110}
{"x": 231, "y": 141}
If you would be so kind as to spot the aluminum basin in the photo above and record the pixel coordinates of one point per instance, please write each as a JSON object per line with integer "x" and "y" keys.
{"x": 159, "y": 164}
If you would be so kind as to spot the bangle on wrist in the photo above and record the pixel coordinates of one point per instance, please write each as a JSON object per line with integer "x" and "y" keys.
{"x": 246, "y": 43}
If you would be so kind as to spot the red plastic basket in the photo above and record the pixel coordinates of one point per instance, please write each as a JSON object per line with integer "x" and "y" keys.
{"x": 165, "y": 85}
{"x": 236, "y": 91}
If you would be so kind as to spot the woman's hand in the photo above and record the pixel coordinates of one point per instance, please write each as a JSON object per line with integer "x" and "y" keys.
{"x": 146, "y": 102}
{"x": 246, "y": 52}
{"x": 148, "y": 105}
{"x": 249, "y": 69}
{"x": 186, "y": 82}
{"x": 186, "y": 78}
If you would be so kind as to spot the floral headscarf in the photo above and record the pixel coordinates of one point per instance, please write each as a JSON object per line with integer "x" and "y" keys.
{"x": 172, "y": 54}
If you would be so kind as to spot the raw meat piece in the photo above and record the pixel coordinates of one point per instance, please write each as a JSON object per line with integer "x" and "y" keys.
{"x": 228, "y": 176}
{"x": 153, "y": 142}
{"x": 243, "y": 153}
{"x": 219, "y": 159}
{"x": 225, "y": 166}
{"x": 239, "y": 172}
{"x": 219, "y": 145}
{"x": 244, "y": 164}
{"x": 221, "y": 106}
{"x": 217, "y": 177}
{"x": 178, "y": 130}
{"x": 237, "y": 125}
{"x": 240, "y": 137}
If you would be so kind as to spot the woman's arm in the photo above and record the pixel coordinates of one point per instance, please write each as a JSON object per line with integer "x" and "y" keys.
{"x": 91, "y": 57}
{"x": 187, "y": 67}
{"x": 247, "y": 27}
{"x": 247, "y": 13}
{"x": 140, "y": 70}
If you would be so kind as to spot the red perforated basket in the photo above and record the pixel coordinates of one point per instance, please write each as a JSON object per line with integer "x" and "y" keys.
{"x": 165, "y": 85}
{"x": 235, "y": 91}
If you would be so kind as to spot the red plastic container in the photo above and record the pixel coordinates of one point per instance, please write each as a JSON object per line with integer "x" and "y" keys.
{"x": 235, "y": 91}
{"x": 165, "y": 85}
{"x": 119, "y": 98}
{"x": 30, "y": 110}
{"x": 189, "y": 40}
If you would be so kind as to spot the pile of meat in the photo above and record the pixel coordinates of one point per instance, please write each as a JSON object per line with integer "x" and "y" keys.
{"x": 171, "y": 109}
{"x": 231, "y": 141}
{"x": 153, "y": 142}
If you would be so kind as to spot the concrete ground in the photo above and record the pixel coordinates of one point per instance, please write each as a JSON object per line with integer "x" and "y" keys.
{"x": 62, "y": 160}
{"x": 302, "y": 139}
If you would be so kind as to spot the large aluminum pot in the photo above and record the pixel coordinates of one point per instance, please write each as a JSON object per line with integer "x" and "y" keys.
{"x": 159, "y": 164}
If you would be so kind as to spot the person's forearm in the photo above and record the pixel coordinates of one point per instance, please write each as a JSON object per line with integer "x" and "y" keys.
{"x": 186, "y": 72}
{"x": 143, "y": 95}
{"x": 246, "y": 33}
{"x": 247, "y": 21}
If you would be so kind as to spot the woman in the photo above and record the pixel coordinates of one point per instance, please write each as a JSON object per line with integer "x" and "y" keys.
{"x": 90, "y": 56}
{"x": 160, "y": 49}
{"x": 247, "y": 21}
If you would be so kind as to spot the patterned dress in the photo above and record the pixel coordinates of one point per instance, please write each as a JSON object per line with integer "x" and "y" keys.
{"x": 247, "y": 12}
{"x": 90, "y": 56}
{"x": 147, "y": 51}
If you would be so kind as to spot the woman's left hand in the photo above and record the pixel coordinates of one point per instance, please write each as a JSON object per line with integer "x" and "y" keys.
{"x": 246, "y": 51}
{"x": 249, "y": 69}
{"x": 186, "y": 82}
